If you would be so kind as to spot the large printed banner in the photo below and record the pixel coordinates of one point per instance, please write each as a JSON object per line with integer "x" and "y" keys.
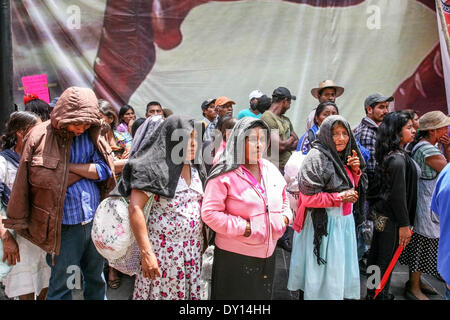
{"x": 183, "y": 52}
{"x": 443, "y": 18}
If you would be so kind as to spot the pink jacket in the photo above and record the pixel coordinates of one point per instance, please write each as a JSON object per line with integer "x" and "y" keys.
{"x": 323, "y": 200}
{"x": 219, "y": 152}
{"x": 230, "y": 200}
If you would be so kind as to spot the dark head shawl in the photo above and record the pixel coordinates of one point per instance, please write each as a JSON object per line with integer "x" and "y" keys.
{"x": 144, "y": 132}
{"x": 234, "y": 153}
{"x": 156, "y": 166}
{"x": 323, "y": 170}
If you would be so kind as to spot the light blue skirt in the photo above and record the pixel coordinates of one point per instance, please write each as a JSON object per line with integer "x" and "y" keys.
{"x": 339, "y": 277}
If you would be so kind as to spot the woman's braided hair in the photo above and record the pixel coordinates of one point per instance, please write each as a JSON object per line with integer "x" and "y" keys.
{"x": 19, "y": 120}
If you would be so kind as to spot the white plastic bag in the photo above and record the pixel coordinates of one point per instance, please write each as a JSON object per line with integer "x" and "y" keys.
{"x": 112, "y": 234}
{"x": 111, "y": 230}
{"x": 206, "y": 273}
{"x": 291, "y": 170}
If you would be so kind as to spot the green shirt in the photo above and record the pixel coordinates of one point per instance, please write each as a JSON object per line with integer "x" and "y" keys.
{"x": 284, "y": 126}
{"x": 421, "y": 154}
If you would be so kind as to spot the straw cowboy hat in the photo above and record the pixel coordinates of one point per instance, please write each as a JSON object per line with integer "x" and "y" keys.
{"x": 327, "y": 84}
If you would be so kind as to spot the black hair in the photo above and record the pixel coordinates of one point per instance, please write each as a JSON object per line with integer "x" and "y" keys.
{"x": 39, "y": 107}
{"x": 136, "y": 125}
{"x": 389, "y": 133}
{"x": 263, "y": 104}
{"x": 224, "y": 123}
{"x": 124, "y": 110}
{"x": 321, "y": 107}
{"x": 19, "y": 120}
{"x": 373, "y": 105}
{"x": 276, "y": 99}
{"x": 107, "y": 110}
{"x": 221, "y": 120}
{"x": 152, "y": 103}
{"x": 412, "y": 111}
{"x": 419, "y": 136}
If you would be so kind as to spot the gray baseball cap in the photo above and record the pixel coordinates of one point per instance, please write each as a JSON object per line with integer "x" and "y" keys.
{"x": 376, "y": 98}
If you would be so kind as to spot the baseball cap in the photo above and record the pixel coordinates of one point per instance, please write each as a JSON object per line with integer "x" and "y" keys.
{"x": 206, "y": 103}
{"x": 220, "y": 101}
{"x": 255, "y": 94}
{"x": 282, "y": 92}
{"x": 376, "y": 98}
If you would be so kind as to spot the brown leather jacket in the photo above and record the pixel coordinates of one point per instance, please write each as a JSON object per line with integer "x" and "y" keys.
{"x": 35, "y": 208}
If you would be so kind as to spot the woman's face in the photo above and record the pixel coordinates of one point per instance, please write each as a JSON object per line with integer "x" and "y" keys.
{"x": 326, "y": 112}
{"x": 191, "y": 147}
{"x": 408, "y": 133}
{"x": 255, "y": 145}
{"x": 440, "y": 132}
{"x": 78, "y": 129}
{"x": 416, "y": 121}
{"x": 340, "y": 137}
{"x": 129, "y": 115}
{"x": 21, "y": 134}
{"x": 107, "y": 119}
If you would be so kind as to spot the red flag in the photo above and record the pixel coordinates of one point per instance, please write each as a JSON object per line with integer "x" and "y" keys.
{"x": 389, "y": 269}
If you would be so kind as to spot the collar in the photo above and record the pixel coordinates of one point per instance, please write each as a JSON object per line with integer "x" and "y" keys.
{"x": 370, "y": 122}
{"x": 205, "y": 119}
{"x": 195, "y": 185}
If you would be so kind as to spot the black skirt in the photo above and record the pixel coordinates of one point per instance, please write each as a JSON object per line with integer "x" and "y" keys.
{"x": 240, "y": 277}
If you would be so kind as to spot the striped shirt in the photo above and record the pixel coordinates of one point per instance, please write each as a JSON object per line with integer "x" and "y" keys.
{"x": 83, "y": 197}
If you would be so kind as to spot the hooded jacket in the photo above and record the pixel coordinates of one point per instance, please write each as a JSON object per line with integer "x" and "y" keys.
{"x": 36, "y": 204}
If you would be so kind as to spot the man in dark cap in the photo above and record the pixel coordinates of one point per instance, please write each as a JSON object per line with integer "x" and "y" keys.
{"x": 285, "y": 137}
{"x": 209, "y": 111}
{"x": 376, "y": 108}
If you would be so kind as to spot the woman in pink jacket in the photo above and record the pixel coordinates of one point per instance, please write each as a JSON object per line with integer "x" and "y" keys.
{"x": 245, "y": 203}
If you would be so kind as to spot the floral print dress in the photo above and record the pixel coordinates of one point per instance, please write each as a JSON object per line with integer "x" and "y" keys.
{"x": 175, "y": 232}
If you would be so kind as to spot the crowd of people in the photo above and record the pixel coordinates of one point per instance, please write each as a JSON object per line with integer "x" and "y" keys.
{"x": 353, "y": 197}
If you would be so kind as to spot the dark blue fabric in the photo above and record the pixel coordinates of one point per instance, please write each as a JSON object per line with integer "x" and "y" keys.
{"x": 11, "y": 156}
{"x": 4, "y": 194}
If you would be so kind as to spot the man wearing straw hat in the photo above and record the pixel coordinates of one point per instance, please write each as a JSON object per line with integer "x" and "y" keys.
{"x": 326, "y": 91}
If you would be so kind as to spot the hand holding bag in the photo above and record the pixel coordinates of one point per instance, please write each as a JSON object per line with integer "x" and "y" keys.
{"x": 113, "y": 237}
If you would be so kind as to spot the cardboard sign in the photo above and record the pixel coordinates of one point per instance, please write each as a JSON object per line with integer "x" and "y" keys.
{"x": 38, "y": 85}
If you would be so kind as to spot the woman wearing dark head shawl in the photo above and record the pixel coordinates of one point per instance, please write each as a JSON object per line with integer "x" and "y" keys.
{"x": 172, "y": 241}
{"x": 245, "y": 203}
{"x": 324, "y": 260}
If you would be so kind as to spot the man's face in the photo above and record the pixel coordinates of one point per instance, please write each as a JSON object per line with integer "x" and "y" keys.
{"x": 286, "y": 103}
{"x": 154, "y": 110}
{"x": 78, "y": 129}
{"x": 378, "y": 112}
{"x": 327, "y": 94}
{"x": 226, "y": 109}
{"x": 210, "y": 113}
